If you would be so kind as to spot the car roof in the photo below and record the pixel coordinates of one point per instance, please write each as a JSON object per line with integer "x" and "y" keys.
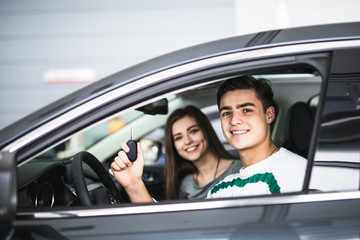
{"x": 215, "y": 48}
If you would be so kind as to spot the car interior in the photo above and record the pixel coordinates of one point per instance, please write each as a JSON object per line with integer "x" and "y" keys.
{"x": 46, "y": 180}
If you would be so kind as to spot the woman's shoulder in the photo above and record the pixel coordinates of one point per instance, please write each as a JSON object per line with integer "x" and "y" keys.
{"x": 188, "y": 179}
{"x": 234, "y": 167}
{"x": 236, "y": 164}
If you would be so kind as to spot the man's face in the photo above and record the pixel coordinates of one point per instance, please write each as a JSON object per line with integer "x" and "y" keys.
{"x": 243, "y": 121}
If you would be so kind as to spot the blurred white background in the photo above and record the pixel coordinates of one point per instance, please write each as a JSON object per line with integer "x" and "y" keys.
{"x": 51, "y": 48}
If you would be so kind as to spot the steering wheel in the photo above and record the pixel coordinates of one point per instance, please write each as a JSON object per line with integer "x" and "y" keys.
{"x": 107, "y": 195}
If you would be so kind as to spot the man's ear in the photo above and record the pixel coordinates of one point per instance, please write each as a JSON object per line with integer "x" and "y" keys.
{"x": 270, "y": 114}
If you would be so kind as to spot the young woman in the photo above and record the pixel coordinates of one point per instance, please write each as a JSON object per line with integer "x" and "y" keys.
{"x": 195, "y": 159}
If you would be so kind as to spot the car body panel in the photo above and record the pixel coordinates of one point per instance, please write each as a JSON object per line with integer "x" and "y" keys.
{"x": 230, "y": 219}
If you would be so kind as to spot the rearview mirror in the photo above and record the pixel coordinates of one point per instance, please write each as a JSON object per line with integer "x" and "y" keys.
{"x": 158, "y": 107}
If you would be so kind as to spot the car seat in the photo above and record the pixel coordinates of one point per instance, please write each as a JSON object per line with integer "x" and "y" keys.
{"x": 298, "y": 128}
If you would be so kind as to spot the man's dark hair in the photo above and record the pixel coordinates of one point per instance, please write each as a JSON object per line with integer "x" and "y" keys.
{"x": 261, "y": 86}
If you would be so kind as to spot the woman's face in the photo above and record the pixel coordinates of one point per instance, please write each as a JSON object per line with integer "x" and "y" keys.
{"x": 188, "y": 138}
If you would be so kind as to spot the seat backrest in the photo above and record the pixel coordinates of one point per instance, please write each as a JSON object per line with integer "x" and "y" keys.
{"x": 299, "y": 125}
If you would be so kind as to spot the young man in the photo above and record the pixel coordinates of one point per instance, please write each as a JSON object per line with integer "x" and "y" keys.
{"x": 246, "y": 111}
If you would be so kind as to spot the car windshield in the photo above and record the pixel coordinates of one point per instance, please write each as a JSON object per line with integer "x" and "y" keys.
{"x": 93, "y": 135}
{"x": 89, "y": 137}
{"x": 118, "y": 126}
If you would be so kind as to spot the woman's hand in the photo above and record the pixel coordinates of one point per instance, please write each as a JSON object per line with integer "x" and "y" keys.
{"x": 129, "y": 174}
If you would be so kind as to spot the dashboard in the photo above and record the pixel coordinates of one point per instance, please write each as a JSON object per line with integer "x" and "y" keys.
{"x": 45, "y": 184}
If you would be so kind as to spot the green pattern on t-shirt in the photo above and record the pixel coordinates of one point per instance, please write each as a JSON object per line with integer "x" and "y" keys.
{"x": 259, "y": 177}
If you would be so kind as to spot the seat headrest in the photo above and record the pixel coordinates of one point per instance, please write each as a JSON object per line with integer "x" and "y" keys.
{"x": 299, "y": 125}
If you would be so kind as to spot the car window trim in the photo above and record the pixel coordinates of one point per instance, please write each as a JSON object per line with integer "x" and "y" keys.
{"x": 191, "y": 205}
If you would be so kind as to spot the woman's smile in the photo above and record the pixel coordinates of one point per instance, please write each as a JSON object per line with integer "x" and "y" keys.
{"x": 188, "y": 138}
{"x": 191, "y": 149}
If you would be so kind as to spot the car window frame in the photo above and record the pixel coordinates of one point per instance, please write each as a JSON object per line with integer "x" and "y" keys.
{"x": 321, "y": 58}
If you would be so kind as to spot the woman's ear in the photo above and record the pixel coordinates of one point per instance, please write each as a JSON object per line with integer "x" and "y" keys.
{"x": 270, "y": 114}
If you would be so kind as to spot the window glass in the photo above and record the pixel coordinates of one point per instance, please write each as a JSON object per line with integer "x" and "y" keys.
{"x": 91, "y": 136}
{"x": 337, "y": 157}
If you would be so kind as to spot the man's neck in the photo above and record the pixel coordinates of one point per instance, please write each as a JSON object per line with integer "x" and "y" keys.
{"x": 250, "y": 156}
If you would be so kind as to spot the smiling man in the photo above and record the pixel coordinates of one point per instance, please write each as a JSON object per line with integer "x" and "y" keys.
{"x": 246, "y": 108}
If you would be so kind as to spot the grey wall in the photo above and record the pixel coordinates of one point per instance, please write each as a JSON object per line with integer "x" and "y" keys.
{"x": 107, "y": 36}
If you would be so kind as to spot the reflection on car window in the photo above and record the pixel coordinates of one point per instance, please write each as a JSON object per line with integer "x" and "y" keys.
{"x": 336, "y": 163}
{"x": 105, "y": 131}
{"x": 91, "y": 136}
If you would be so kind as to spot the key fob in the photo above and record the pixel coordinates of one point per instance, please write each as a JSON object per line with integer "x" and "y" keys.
{"x": 132, "y": 154}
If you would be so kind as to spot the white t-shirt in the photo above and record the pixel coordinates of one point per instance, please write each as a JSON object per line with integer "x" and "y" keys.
{"x": 189, "y": 189}
{"x": 281, "y": 172}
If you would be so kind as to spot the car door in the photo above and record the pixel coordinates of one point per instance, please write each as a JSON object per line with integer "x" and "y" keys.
{"x": 288, "y": 216}
{"x": 145, "y": 219}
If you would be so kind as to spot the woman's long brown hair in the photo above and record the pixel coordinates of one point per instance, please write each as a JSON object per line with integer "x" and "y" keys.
{"x": 176, "y": 167}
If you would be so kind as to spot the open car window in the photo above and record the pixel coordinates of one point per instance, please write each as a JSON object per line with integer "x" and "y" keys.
{"x": 103, "y": 138}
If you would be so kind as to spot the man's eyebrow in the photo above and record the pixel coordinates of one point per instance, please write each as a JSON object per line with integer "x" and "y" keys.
{"x": 245, "y": 105}
{"x": 238, "y": 106}
{"x": 225, "y": 108}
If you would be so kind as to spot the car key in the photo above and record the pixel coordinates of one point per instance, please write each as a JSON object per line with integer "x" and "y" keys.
{"x": 132, "y": 154}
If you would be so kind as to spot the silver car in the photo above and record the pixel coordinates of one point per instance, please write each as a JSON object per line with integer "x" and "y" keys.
{"x": 315, "y": 74}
